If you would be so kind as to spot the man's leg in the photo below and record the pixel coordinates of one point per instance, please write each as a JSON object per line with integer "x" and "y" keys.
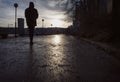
{"x": 31, "y": 33}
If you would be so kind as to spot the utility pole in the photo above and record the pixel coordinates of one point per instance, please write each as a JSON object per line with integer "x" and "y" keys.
{"x": 15, "y": 5}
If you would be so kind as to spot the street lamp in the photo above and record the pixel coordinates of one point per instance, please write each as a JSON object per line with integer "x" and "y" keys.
{"x": 51, "y": 25}
{"x": 15, "y": 5}
{"x": 42, "y": 22}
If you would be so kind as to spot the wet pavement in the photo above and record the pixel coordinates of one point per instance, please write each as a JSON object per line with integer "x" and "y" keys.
{"x": 55, "y": 58}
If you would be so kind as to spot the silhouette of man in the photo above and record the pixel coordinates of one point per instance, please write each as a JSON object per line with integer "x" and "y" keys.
{"x": 31, "y": 15}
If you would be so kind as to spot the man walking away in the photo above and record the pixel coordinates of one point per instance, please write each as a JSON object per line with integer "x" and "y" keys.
{"x": 31, "y": 15}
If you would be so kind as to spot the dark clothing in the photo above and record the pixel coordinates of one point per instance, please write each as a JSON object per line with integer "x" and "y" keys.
{"x": 31, "y": 33}
{"x": 31, "y": 15}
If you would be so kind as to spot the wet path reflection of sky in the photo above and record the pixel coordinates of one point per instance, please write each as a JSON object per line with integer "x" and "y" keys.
{"x": 55, "y": 58}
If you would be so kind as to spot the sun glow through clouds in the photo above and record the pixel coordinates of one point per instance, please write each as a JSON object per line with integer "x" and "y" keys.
{"x": 57, "y": 23}
{"x": 49, "y": 10}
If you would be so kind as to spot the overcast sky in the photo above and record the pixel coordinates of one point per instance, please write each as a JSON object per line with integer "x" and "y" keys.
{"x": 49, "y": 10}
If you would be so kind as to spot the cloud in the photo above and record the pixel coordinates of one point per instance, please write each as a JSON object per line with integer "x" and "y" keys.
{"x": 48, "y": 9}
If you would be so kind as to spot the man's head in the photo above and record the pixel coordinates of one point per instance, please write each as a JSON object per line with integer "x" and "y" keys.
{"x": 31, "y": 5}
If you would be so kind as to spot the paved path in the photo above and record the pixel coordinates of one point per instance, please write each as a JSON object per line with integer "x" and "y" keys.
{"x": 55, "y": 58}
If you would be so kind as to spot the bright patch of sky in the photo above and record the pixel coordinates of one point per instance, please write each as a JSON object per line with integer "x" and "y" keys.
{"x": 50, "y": 10}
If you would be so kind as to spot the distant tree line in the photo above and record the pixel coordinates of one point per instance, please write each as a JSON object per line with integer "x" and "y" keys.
{"x": 96, "y": 18}
{"x": 116, "y": 18}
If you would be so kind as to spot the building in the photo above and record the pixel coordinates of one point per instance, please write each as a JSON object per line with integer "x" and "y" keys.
{"x": 21, "y": 26}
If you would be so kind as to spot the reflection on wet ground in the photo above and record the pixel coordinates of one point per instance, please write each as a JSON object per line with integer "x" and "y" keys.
{"x": 55, "y": 58}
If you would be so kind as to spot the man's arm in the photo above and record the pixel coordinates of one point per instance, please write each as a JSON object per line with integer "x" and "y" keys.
{"x": 37, "y": 14}
{"x": 25, "y": 13}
